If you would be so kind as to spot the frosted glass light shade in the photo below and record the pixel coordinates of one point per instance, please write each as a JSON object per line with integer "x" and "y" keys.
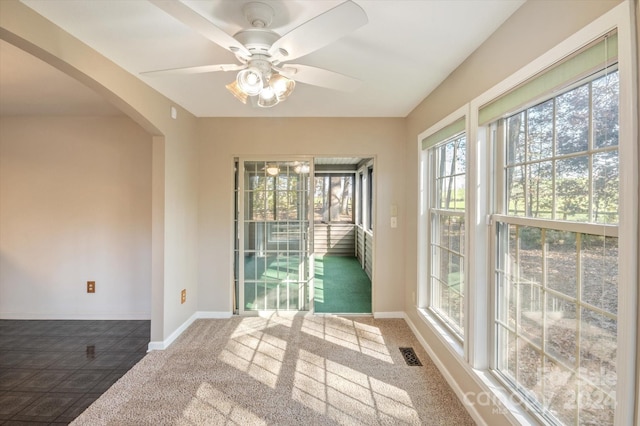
{"x": 235, "y": 91}
{"x": 282, "y": 86}
{"x": 250, "y": 81}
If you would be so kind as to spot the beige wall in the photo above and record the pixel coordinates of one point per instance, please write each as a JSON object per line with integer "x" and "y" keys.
{"x": 223, "y": 138}
{"x": 75, "y": 205}
{"x": 174, "y": 183}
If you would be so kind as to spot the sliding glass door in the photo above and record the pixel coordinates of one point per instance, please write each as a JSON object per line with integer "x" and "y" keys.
{"x": 274, "y": 238}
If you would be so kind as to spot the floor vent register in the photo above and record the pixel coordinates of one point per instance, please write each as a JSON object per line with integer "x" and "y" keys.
{"x": 410, "y": 357}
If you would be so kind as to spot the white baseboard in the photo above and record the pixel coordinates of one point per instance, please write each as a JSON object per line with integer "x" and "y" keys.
{"x": 471, "y": 409}
{"x": 81, "y": 316}
{"x": 379, "y": 315}
{"x": 162, "y": 345}
{"x": 503, "y": 402}
{"x": 213, "y": 315}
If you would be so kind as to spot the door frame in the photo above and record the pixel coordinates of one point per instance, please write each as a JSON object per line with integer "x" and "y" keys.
{"x": 238, "y": 245}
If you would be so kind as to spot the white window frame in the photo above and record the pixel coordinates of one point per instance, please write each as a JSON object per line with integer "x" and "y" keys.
{"x": 620, "y": 18}
{"x": 477, "y": 354}
{"x": 436, "y": 211}
{"x": 423, "y": 301}
{"x": 591, "y": 228}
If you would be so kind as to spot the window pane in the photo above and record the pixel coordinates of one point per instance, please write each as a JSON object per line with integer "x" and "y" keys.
{"x": 442, "y": 231}
{"x": 540, "y": 131}
{"x": 561, "y": 331}
{"x": 605, "y": 187}
{"x": 333, "y": 198}
{"x": 341, "y": 198}
{"x": 572, "y": 115}
{"x": 286, "y": 205}
{"x": 598, "y": 359}
{"x": 450, "y": 175}
{"x": 562, "y": 260}
{"x": 529, "y": 367}
{"x": 529, "y": 310}
{"x": 597, "y": 405}
{"x": 539, "y": 190}
{"x": 529, "y": 260}
{"x": 507, "y": 359}
{"x": 319, "y": 198}
{"x": 605, "y": 110}
{"x": 599, "y": 264}
{"x": 456, "y": 234}
{"x": 515, "y": 191}
{"x": 572, "y": 189}
{"x": 560, "y": 391}
{"x": 515, "y": 139}
{"x": 512, "y": 274}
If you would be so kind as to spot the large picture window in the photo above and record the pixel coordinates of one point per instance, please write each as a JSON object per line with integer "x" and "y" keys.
{"x": 527, "y": 241}
{"x": 446, "y": 282}
{"x": 557, "y": 252}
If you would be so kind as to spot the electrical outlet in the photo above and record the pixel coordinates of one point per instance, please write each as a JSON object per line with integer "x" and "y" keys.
{"x": 183, "y": 296}
{"x": 91, "y": 286}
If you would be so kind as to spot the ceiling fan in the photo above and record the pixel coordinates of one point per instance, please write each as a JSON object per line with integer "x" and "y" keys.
{"x": 264, "y": 76}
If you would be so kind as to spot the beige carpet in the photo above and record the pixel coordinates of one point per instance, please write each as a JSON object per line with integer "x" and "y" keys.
{"x": 282, "y": 370}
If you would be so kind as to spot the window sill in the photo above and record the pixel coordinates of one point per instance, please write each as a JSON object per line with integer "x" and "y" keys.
{"x": 494, "y": 394}
{"x": 445, "y": 335}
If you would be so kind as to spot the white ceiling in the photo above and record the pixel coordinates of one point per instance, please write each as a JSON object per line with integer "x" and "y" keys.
{"x": 405, "y": 50}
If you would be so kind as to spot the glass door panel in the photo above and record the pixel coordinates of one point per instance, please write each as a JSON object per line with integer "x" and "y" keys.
{"x": 274, "y": 235}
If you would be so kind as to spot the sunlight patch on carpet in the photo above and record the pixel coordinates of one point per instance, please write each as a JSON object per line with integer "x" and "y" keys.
{"x": 332, "y": 389}
{"x": 211, "y": 406}
{"x": 254, "y": 352}
{"x": 349, "y": 334}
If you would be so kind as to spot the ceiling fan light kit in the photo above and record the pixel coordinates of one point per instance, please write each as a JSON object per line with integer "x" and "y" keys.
{"x": 263, "y": 77}
{"x": 272, "y": 169}
{"x": 250, "y": 81}
{"x": 260, "y": 80}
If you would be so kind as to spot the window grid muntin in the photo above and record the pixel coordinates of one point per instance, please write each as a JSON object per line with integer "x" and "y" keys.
{"x": 598, "y": 229}
{"x": 581, "y": 380}
{"x": 589, "y": 153}
{"x": 436, "y": 214}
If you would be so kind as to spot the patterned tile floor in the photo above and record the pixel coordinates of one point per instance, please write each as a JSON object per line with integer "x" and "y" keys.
{"x": 51, "y": 371}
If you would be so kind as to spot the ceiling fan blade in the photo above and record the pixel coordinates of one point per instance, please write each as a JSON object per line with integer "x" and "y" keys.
{"x": 320, "y": 77}
{"x": 319, "y": 31}
{"x": 202, "y": 25}
{"x": 197, "y": 70}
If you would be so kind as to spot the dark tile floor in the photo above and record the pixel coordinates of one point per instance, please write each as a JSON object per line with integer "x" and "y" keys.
{"x": 51, "y": 371}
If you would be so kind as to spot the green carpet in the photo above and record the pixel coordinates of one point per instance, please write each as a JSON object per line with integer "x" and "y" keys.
{"x": 341, "y": 286}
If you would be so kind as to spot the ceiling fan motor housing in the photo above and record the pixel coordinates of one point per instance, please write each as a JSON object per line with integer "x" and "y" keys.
{"x": 258, "y": 41}
{"x": 259, "y": 15}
